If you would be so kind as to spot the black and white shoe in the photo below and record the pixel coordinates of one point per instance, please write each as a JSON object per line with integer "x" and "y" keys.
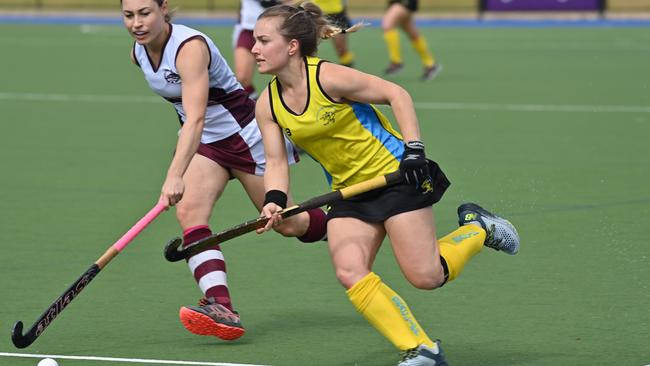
{"x": 500, "y": 233}
{"x": 424, "y": 356}
{"x": 431, "y": 72}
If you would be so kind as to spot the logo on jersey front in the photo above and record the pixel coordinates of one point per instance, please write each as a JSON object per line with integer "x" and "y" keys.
{"x": 326, "y": 115}
{"x": 172, "y": 77}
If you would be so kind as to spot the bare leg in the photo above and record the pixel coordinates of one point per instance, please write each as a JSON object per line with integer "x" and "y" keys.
{"x": 254, "y": 185}
{"x": 244, "y": 68}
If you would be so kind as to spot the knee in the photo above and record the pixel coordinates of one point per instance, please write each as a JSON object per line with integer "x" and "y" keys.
{"x": 348, "y": 277}
{"x": 189, "y": 214}
{"x": 426, "y": 280}
{"x": 244, "y": 79}
{"x": 183, "y": 213}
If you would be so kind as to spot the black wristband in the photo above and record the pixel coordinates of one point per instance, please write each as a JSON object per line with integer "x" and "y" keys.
{"x": 277, "y": 197}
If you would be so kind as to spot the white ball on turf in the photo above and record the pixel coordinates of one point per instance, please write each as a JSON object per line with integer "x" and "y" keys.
{"x": 47, "y": 362}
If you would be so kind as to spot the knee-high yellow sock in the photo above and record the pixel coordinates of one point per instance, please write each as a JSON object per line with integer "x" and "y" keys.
{"x": 387, "y": 312}
{"x": 459, "y": 246}
{"x": 347, "y": 58}
{"x": 392, "y": 43}
{"x": 420, "y": 45}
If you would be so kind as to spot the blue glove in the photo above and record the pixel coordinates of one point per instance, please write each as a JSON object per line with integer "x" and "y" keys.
{"x": 415, "y": 167}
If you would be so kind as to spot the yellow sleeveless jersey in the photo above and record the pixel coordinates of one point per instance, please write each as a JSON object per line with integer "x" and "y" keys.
{"x": 352, "y": 141}
{"x": 330, "y": 6}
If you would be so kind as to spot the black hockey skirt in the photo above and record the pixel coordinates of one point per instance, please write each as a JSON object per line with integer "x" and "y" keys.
{"x": 411, "y": 5}
{"x": 379, "y": 205}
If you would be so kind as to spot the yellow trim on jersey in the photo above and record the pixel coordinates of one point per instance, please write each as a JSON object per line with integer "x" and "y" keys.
{"x": 352, "y": 141}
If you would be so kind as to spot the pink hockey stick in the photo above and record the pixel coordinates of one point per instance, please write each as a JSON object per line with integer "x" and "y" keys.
{"x": 22, "y": 341}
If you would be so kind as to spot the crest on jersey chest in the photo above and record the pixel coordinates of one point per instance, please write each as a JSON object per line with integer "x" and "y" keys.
{"x": 172, "y": 77}
{"x": 326, "y": 115}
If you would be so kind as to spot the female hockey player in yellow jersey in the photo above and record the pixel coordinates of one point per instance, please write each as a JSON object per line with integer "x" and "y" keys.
{"x": 326, "y": 110}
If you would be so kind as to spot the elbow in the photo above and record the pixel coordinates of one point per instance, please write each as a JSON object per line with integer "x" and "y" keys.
{"x": 397, "y": 94}
{"x": 401, "y": 93}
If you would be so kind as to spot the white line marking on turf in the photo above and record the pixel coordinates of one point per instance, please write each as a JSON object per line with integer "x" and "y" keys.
{"x": 94, "y": 28}
{"x": 534, "y": 107}
{"x": 131, "y": 360}
{"x": 507, "y": 107}
{"x": 80, "y": 98}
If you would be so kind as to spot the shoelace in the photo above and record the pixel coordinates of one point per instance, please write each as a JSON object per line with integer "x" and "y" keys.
{"x": 489, "y": 239}
{"x": 203, "y": 302}
{"x": 408, "y": 354}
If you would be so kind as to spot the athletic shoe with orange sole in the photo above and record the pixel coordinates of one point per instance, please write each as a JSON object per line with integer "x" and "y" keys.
{"x": 210, "y": 319}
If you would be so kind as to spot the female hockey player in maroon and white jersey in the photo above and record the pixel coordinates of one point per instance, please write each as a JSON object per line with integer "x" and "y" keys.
{"x": 219, "y": 140}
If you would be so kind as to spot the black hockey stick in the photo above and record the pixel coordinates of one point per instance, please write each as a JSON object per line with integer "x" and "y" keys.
{"x": 21, "y": 340}
{"x": 174, "y": 250}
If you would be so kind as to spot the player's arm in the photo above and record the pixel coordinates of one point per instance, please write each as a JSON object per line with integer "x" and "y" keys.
{"x": 344, "y": 83}
{"x": 276, "y": 176}
{"x": 192, "y": 65}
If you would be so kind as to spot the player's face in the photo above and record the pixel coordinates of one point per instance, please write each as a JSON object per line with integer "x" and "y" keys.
{"x": 271, "y": 49}
{"x": 144, "y": 19}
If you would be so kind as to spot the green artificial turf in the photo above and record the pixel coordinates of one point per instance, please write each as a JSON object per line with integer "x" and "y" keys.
{"x": 548, "y": 127}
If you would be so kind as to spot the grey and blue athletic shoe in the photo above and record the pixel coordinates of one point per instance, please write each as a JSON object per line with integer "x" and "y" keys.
{"x": 500, "y": 233}
{"x": 424, "y": 356}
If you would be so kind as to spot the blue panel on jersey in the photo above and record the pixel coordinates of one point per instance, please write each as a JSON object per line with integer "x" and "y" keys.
{"x": 371, "y": 122}
{"x": 328, "y": 176}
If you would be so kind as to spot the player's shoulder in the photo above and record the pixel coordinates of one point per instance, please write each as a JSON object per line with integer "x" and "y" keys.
{"x": 181, "y": 34}
{"x": 331, "y": 75}
{"x": 262, "y": 105}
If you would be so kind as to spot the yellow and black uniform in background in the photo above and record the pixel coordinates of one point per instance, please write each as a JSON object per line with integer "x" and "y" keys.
{"x": 391, "y": 37}
{"x": 337, "y": 14}
{"x": 411, "y": 5}
{"x": 330, "y": 6}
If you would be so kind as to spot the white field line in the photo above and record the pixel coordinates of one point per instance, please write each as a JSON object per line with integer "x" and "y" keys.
{"x": 534, "y": 107}
{"x": 131, "y": 360}
{"x": 90, "y": 98}
{"x": 94, "y": 28}
{"x": 503, "y": 107}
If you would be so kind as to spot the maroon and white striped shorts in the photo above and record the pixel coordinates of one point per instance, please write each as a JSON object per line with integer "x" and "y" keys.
{"x": 245, "y": 39}
{"x": 243, "y": 151}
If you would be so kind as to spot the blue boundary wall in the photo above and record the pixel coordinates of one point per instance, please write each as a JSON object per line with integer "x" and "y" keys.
{"x": 47, "y": 19}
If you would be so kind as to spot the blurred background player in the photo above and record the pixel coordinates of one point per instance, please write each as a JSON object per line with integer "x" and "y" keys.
{"x": 310, "y": 101}
{"x": 400, "y": 14}
{"x": 336, "y": 13}
{"x": 243, "y": 41}
{"x": 219, "y": 140}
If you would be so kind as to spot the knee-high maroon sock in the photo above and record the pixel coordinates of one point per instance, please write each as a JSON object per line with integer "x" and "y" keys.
{"x": 208, "y": 267}
{"x": 317, "y": 229}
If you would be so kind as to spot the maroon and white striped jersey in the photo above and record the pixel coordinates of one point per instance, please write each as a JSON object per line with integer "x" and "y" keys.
{"x": 229, "y": 109}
